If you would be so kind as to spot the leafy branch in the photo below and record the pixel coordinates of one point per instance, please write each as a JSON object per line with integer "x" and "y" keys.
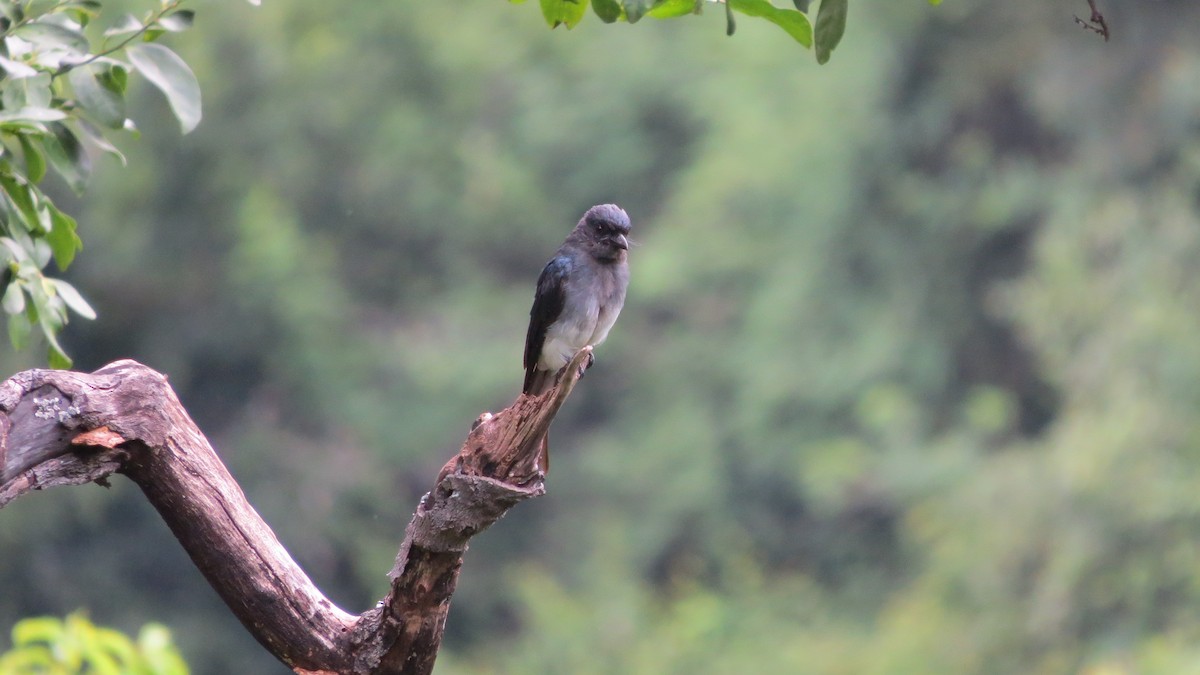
{"x": 184, "y": 20}
{"x": 795, "y": 21}
{"x": 62, "y": 100}
{"x": 822, "y": 37}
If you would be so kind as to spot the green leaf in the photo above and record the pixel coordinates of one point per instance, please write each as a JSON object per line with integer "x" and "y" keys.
{"x": 154, "y": 637}
{"x": 22, "y": 195}
{"x": 12, "y": 11}
{"x": 29, "y": 659}
{"x": 12, "y": 218}
{"x": 17, "y": 251}
{"x": 636, "y": 9}
{"x": 177, "y": 22}
{"x": 564, "y": 12}
{"x": 100, "y": 101}
{"x": 73, "y": 299}
{"x": 20, "y": 329}
{"x": 82, "y": 11}
{"x": 55, "y": 355}
{"x": 831, "y": 24}
{"x": 16, "y": 69}
{"x": 103, "y": 663}
{"x": 115, "y": 78}
{"x": 128, "y": 24}
{"x": 67, "y": 156}
{"x": 794, "y": 23}
{"x": 51, "y": 317}
{"x": 173, "y": 77}
{"x": 27, "y": 92}
{"x": 40, "y": 252}
{"x": 53, "y": 35}
{"x": 31, "y": 114}
{"x": 25, "y": 251}
{"x": 96, "y": 138}
{"x": 159, "y": 651}
{"x": 43, "y": 629}
{"x": 63, "y": 239}
{"x": 35, "y": 162}
{"x": 14, "y": 298}
{"x": 608, "y": 10}
{"x": 119, "y": 647}
{"x": 673, "y": 8}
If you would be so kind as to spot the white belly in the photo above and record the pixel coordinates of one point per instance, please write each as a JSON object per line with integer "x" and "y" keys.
{"x": 564, "y": 338}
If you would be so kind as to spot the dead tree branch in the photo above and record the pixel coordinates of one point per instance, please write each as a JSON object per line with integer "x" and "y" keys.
{"x": 67, "y": 428}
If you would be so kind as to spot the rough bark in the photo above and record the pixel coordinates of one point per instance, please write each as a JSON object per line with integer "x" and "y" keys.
{"x": 67, "y": 428}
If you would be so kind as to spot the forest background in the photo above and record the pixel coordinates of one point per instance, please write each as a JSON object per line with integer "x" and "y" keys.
{"x": 907, "y": 380}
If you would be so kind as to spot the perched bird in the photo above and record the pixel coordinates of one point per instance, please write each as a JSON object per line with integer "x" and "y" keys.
{"x": 579, "y": 295}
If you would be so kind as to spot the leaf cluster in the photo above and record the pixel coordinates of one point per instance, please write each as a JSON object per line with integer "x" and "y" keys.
{"x": 829, "y": 27}
{"x": 54, "y": 646}
{"x": 63, "y": 100}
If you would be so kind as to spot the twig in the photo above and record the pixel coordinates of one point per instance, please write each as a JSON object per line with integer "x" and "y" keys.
{"x": 153, "y": 19}
{"x": 1095, "y": 23}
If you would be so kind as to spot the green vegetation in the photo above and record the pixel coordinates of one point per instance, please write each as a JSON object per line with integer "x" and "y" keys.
{"x": 830, "y": 23}
{"x": 62, "y": 98}
{"x": 51, "y": 646}
{"x": 905, "y": 384}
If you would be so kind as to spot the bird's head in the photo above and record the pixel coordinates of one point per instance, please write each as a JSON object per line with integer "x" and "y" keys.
{"x": 604, "y": 232}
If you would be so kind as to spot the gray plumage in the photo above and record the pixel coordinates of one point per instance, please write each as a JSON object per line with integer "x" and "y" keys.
{"x": 579, "y": 294}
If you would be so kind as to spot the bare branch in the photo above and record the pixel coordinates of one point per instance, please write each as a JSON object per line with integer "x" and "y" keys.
{"x": 67, "y": 428}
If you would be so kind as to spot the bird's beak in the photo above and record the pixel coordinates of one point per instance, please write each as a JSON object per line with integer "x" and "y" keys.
{"x": 621, "y": 242}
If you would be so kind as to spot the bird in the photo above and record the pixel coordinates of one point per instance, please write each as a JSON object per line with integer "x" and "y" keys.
{"x": 580, "y": 292}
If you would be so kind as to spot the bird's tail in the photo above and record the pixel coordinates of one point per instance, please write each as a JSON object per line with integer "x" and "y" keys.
{"x": 538, "y": 382}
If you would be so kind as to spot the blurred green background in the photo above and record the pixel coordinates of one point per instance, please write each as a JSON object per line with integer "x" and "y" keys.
{"x": 907, "y": 381}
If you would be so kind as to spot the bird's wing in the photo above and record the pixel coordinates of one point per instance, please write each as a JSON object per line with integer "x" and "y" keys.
{"x": 548, "y": 304}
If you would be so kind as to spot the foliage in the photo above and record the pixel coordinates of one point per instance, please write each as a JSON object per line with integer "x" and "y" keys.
{"x": 830, "y": 23}
{"x": 52, "y": 646}
{"x": 63, "y": 96}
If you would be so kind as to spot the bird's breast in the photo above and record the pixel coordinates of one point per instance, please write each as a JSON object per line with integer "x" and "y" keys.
{"x": 589, "y": 312}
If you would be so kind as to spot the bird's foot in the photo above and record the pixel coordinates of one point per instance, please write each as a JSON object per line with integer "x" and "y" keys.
{"x": 583, "y": 367}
